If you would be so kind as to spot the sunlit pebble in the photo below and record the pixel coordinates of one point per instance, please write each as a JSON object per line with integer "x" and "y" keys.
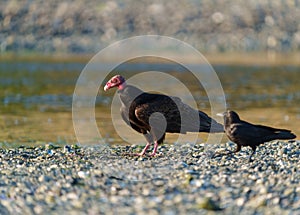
{"x": 49, "y": 120}
{"x": 72, "y": 196}
{"x": 38, "y": 209}
{"x": 217, "y": 17}
{"x": 155, "y": 9}
{"x": 110, "y": 7}
{"x": 82, "y": 174}
{"x": 16, "y": 122}
{"x": 269, "y": 20}
{"x": 198, "y": 183}
{"x": 113, "y": 189}
{"x": 240, "y": 201}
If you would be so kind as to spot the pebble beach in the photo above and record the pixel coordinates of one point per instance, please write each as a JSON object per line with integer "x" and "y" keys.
{"x": 182, "y": 179}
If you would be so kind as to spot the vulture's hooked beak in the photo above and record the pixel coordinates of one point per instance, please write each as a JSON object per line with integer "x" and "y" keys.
{"x": 107, "y": 86}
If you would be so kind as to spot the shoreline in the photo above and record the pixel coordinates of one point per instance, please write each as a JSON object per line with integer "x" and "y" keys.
{"x": 232, "y": 58}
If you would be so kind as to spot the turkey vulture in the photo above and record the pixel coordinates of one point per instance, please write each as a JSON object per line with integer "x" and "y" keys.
{"x": 155, "y": 114}
{"x": 246, "y": 134}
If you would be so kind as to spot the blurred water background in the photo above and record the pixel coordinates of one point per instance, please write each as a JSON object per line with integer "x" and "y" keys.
{"x": 44, "y": 45}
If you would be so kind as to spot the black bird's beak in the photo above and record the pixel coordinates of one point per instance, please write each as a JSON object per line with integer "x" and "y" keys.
{"x": 220, "y": 114}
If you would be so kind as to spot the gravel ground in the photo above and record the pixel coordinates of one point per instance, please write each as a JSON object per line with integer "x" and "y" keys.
{"x": 182, "y": 179}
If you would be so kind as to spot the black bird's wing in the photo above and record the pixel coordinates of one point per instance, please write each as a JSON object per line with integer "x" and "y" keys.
{"x": 248, "y": 134}
{"x": 276, "y": 133}
{"x": 272, "y": 129}
{"x": 267, "y": 130}
{"x": 245, "y": 132}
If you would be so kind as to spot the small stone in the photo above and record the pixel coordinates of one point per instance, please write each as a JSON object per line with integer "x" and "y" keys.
{"x": 44, "y": 178}
{"x": 82, "y": 174}
{"x": 159, "y": 182}
{"x": 240, "y": 201}
{"x": 72, "y": 196}
{"x": 218, "y": 17}
{"x": 209, "y": 204}
{"x": 288, "y": 191}
{"x": 38, "y": 209}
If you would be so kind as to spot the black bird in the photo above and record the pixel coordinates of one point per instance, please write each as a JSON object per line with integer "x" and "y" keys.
{"x": 246, "y": 134}
{"x": 155, "y": 114}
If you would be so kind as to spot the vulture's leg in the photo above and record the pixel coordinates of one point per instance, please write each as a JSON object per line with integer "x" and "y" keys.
{"x": 144, "y": 150}
{"x": 154, "y": 149}
{"x": 156, "y": 143}
{"x": 158, "y": 125}
{"x": 149, "y": 139}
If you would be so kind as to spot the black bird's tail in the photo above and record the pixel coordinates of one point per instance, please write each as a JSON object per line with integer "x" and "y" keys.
{"x": 284, "y": 135}
{"x": 277, "y": 133}
{"x": 207, "y": 124}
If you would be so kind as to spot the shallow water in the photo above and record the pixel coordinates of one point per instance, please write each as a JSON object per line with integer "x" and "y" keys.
{"x": 37, "y": 97}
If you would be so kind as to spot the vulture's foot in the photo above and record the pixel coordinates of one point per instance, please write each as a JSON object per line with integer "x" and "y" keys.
{"x": 154, "y": 150}
{"x": 142, "y": 153}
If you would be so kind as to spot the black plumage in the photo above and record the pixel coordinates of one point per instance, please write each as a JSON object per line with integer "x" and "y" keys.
{"x": 246, "y": 134}
{"x": 154, "y": 115}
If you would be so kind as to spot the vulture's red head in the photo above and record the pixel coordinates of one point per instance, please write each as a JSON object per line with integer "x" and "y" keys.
{"x": 116, "y": 81}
